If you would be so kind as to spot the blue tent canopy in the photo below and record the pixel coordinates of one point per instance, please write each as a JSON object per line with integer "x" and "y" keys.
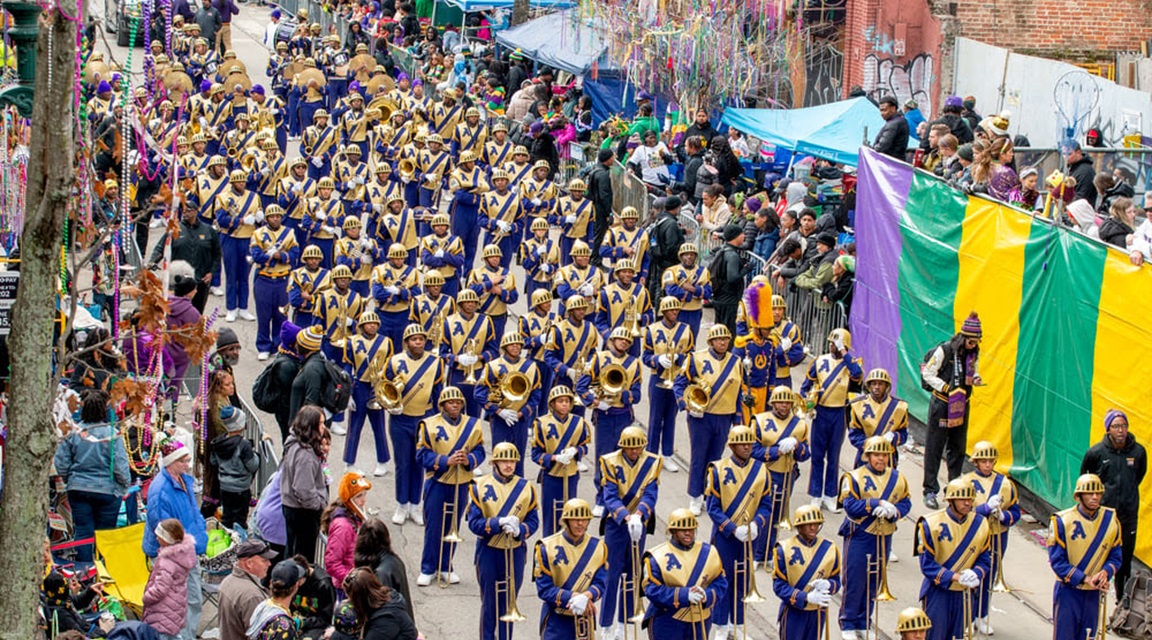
{"x": 554, "y": 40}
{"x": 833, "y": 131}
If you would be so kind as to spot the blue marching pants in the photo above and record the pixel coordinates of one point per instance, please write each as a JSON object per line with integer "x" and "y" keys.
{"x": 271, "y": 295}
{"x": 800, "y": 624}
{"x": 707, "y": 436}
{"x": 767, "y": 539}
{"x": 323, "y": 171}
{"x": 662, "y": 412}
{"x": 546, "y": 375}
{"x": 855, "y": 600}
{"x": 466, "y": 227}
{"x": 490, "y": 569}
{"x": 307, "y": 111}
{"x": 1075, "y": 613}
{"x": 619, "y": 545}
{"x": 828, "y": 430}
{"x": 555, "y": 625}
{"x": 517, "y": 434}
{"x": 409, "y": 473}
{"x": 552, "y": 500}
{"x": 337, "y": 88}
{"x": 363, "y": 288}
{"x": 665, "y": 627}
{"x": 692, "y": 319}
{"x": 608, "y": 425}
{"x": 731, "y": 551}
{"x": 498, "y": 324}
{"x": 946, "y": 610}
{"x": 362, "y": 393}
{"x": 325, "y": 245}
{"x": 392, "y": 324}
{"x": 236, "y": 270}
{"x": 451, "y": 286}
{"x": 436, "y": 496}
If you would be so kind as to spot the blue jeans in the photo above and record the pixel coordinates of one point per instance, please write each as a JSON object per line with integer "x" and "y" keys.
{"x": 195, "y": 603}
{"x": 91, "y": 511}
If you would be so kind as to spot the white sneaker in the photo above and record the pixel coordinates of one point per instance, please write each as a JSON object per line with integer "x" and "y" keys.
{"x": 849, "y": 635}
{"x": 247, "y": 315}
{"x": 230, "y": 317}
{"x": 721, "y": 632}
{"x": 453, "y": 577}
{"x": 598, "y": 511}
{"x": 669, "y": 465}
{"x": 424, "y": 580}
{"x": 417, "y": 514}
{"x": 581, "y": 467}
{"x": 984, "y": 626}
{"x": 617, "y": 630}
{"x": 606, "y": 633}
{"x": 830, "y": 504}
{"x": 892, "y": 557}
{"x": 339, "y": 429}
{"x": 400, "y": 516}
{"x": 263, "y": 355}
{"x": 217, "y": 291}
{"x": 380, "y": 471}
{"x": 696, "y": 506}
{"x": 817, "y": 502}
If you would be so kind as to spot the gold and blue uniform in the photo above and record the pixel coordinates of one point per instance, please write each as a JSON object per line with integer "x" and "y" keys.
{"x": 675, "y": 341}
{"x": 1079, "y": 547}
{"x": 444, "y": 254}
{"x": 675, "y": 278}
{"x": 292, "y": 195}
{"x": 322, "y": 223}
{"x": 999, "y": 521}
{"x": 419, "y": 380}
{"x": 237, "y": 214}
{"x": 271, "y": 284}
{"x": 670, "y": 571}
{"x": 496, "y": 154}
{"x": 619, "y": 304}
{"x": 567, "y": 348}
{"x": 503, "y": 207}
{"x": 870, "y": 417}
{"x": 473, "y": 335}
{"x": 568, "y": 207}
{"x": 492, "y": 303}
{"x": 303, "y": 283}
{"x": 551, "y": 435}
{"x": 738, "y": 494}
{"x": 569, "y": 279}
{"x": 829, "y": 382}
{"x": 796, "y": 565}
{"x": 361, "y": 355}
{"x": 540, "y": 259}
{"x": 770, "y": 429}
{"x": 625, "y": 488}
{"x": 359, "y": 255}
{"x": 723, "y": 375}
{"x": 566, "y": 567}
{"x": 491, "y": 399}
{"x": 394, "y": 308}
{"x": 947, "y": 545}
{"x": 440, "y": 437}
{"x": 610, "y": 421}
{"x": 620, "y": 238}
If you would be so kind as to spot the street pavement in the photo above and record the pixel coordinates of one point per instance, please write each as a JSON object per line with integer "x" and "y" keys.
{"x": 454, "y": 612}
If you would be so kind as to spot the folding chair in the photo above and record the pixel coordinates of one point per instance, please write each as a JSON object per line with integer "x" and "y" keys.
{"x": 122, "y": 565}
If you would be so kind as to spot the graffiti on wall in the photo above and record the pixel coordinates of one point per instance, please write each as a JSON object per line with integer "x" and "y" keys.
{"x": 879, "y": 41}
{"x": 824, "y": 75}
{"x": 905, "y": 80}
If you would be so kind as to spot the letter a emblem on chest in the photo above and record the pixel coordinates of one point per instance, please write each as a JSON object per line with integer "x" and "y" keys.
{"x": 1078, "y": 531}
{"x": 671, "y": 562}
{"x": 489, "y": 494}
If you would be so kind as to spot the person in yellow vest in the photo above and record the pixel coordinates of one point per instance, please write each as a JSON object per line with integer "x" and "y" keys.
{"x": 418, "y": 374}
{"x": 351, "y": 176}
{"x": 805, "y": 575}
{"x": 540, "y": 257}
{"x": 611, "y": 386}
{"x": 269, "y": 169}
{"x": 519, "y": 169}
{"x": 790, "y": 347}
{"x": 392, "y": 137}
{"x": 875, "y": 498}
{"x": 305, "y": 286}
{"x": 443, "y": 252}
{"x": 997, "y": 501}
{"x": 495, "y": 285}
{"x": 324, "y": 219}
{"x": 274, "y": 252}
{"x": 510, "y": 408}
{"x": 781, "y": 443}
{"x": 450, "y": 446}
{"x": 470, "y": 192}
{"x": 559, "y": 441}
{"x": 629, "y": 484}
{"x": 292, "y": 194}
{"x": 579, "y": 279}
{"x": 537, "y": 193}
{"x": 502, "y": 514}
{"x": 571, "y": 575}
{"x": 831, "y": 378}
{"x": 430, "y": 308}
{"x": 739, "y": 503}
{"x": 468, "y": 341}
{"x": 878, "y": 413}
{"x": 913, "y": 624}
{"x": 409, "y": 169}
{"x": 501, "y": 214}
{"x": 624, "y": 304}
{"x": 397, "y": 225}
{"x": 628, "y": 242}
{"x": 683, "y": 580}
{"x": 691, "y": 284}
{"x": 469, "y": 135}
{"x": 715, "y": 377}
{"x": 359, "y": 254}
{"x": 336, "y": 314}
{"x": 497, "y": 150}
{"x": 365, "y": 353}
{"x": 433, "y": 165}
{"x": 394, "y": 285}
{"x": 377, "y": 194}
{"x": 569, "y": 345}
{"x": 667, "y": 344}
{"x": 953, "y": 547}
{"x": 533, "y": 327}
{"x": 1084, "y": 551}
{"x": 237, "y": 212}
{"x": 573, "y": 214}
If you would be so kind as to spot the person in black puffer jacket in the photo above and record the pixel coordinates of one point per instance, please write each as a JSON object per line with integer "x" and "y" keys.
{"x": 381, "y": 610}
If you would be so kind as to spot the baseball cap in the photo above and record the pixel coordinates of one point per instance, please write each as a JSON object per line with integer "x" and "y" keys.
{"x": 285, "y": 573}
{"x": 253, "y": 547}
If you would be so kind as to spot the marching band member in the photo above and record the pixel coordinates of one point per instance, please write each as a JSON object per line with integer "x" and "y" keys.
{"x": 336, "y": 313}
{"x": 468, "y": 341}
{"x": 237, "y": 212}
{"x": 579, "y": 279}
{"x": 806, "y": 573}
{"x": 274, "y": 106}
{"x": 318, "y": 143}
{"x": 446, "y": 113}
{"x": 667, "y": 344}
{"x": 517, "y": 414}
{"x": 305, "y": 286}
{"x": 627, "y": 242}
{"x": 359, "y": 254}
{"x": 540, "y": 257}
{"x": 875, "y": 497}
{"x": 366, "y": 356}
{"x": 394, "y": 285}
{"x": 756, "y": 347}
{"x": 997, "y": 501}
{"x": 913, "y": 624}
{"x": 502, "y": 514}
{"x": 537, "y": 192}
{"x": 534, "y": 327}
{"x": 684, "y": 579}
{"x": 418, "y": 375}
{"x": 1084, "y": 550}
{"x": 498, "y": 149}
{"x": 781, "y": 442}
{"x": 830, "y": 379}
{"x": 691, "y": 284}
{"x": 433, "y": 165}
{"x": 739, "y": 503}
{"x": 953, "y": 547}
{"x": 877, "y": 413}
{"x": 324, "y": 218}
{"x": 469, "y": 135}
{"x": 198, "y": 159}
{"x": 502, "y": 216}
{"x": 239, "y": 140}
{"x": 443, "y": 252}
{"x": 312, "y": 103}
{"x": 573, "y": 214}
{"x": 268, "y": 170}
{"x": 559, "y": 441}
{"x": 274, "y": 252}
{"x": 569, "y": 345}
{"x": 571, "y": 576}
{"x": 495, "y": 285}
{"x": 410, "y": 155}
{"x": 292, "y": 194}
{"x": 351, "y": 176}
{"x": 623, "y": 303}
{"x": 393, "y": 136}
{"x": 629, "y": 485}
{"x": 215, "y": 118}
{"x": 790, "y": 350}
{"x": 397, "y": 224}
{"x": 429, "y": 308}
{"x": 718, "y": 371}
{"x": 449, "y": 447}
{"x": 210, "y": 185}
{"x": 612, "y": 407}
{"x": 354, "y": 122}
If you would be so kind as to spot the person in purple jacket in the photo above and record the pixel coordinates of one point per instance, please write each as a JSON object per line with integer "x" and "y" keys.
{"x": 180, "y": 312}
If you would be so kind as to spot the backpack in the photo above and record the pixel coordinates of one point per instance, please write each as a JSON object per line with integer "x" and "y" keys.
{"x": 337, "y": 387}
{"x": 928, "y": 356}
{"x": 267, "y": 393}
{"x": 1133, "y": 618}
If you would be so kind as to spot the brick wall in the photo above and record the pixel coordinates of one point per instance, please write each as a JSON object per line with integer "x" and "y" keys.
{"x": 1073, "y": 30}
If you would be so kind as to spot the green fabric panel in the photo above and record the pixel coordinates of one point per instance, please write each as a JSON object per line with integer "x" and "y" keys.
{"x": 930, "y": 228}
{"x": 1052, "y": 393}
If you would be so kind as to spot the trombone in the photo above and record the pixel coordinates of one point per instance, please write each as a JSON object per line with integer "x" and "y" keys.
{"x": 998, "y": 585}
{"x": 630, "y": 591}
{"x": 1101, "y": 618}
{"x": 507, "y": 588}
{"x": 584, "y": 627}
{"x": 744, "y": 571}
{"x": 878, "y": 571}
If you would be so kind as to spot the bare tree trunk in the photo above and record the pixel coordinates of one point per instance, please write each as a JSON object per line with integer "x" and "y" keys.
{"x": 519, "y": 12}
{"x": 31, "y": 438}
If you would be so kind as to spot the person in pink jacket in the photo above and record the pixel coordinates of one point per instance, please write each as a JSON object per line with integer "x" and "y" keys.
{"x": 166, "y": 594}
{"x": 341, "y": 521}
{"x": 564, "y": 132}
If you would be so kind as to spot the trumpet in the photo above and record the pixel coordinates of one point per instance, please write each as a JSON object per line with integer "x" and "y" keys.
{"x": 470, "y": 349}
{"x": 632, "y": 319}
{"x": 434, "y": 332}
{"x": 1102, "y": 617}
{"x": 449, "y": 533}
{"x": 668, "y": 378}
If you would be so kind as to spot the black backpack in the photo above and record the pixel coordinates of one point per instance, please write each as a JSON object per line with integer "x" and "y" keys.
{"x": 267, "y": 392}
{"x": 1133, "y": 618}
{"x": 337, "y": 388}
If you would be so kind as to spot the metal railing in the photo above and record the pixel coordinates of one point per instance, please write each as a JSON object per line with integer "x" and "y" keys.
{"x": 814, "y": 317}
{"x": 269, "y": 459}
{"x": 629, "y": 191}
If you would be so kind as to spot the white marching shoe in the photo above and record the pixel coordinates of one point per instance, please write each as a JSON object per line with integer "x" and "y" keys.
{"x": 451, "y": 577}
{"x": 338, "y": 429}
{"x": 424, "y": 580}
{"x": 849, "y": 635}
{"x": 721, "y": 632}
{"x": 984, "y": 626}
{"x": 892, "y": 557}
{"x": 670, "y": 465}
{"x": 417, "y": 514}
{"x": 400, "y": 516}
{"x": 247, "y": 315}
{"x": 230, "y": 316}
{"x": 380, "y": 470}
{"x": 830, "y": 504}
{"x": 817, "y": 502}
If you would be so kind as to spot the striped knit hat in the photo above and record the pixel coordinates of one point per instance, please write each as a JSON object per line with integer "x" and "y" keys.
{"x": 971, "y": 326}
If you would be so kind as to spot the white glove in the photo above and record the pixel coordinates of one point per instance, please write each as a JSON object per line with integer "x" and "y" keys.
{"x": 1001, "y": 516}
{"x": 563, "y": 457}
{"x": 378, "y": 208}
{"x": 603, "y": 405}
{"x": 570, "y": 453}
{"x": 820, "y": 585}
{"x": 351, "y": 322}
{"x": 510, "y": 530}
{"x": 249, "y": 219}
{"x": 890, "y": 510}
{"x": 203, "y": 122}
{"x": 503, "y": 226}
{"x": 298, "y": 187}
{"x": 259, "y": 216}
{"x": 753, "y": 530}
{"x": 274, "y": 112}
{"x": 539, "y": 249}
{"x": 785, "y": 344}
{"x": 509, "y": 416}
{"x": 546, "y": 268}
{"x": 430, "y": 179}
{"x": 317, "y": 162}
{"x": 635, "y": 527}
{"x": 820, "y": 598}
{"x": 570, "y": 219}
{"x": 506, "y": 521}
{"x": 358, "y": 180}
{"x": 265, "y": 171}
{"x": 573, "y": 375}
{"x": 395, "y": 411}
{"x": 840, "y": 345}
{"x": 786, "y": 445}
{"x": 665, "y": 361}
{"x": 586, "y": 289}
{"x": 330, "y": 229}
{"x": 321, "y": 216}
{"x": 879, "y": 511}
{"x": 969, "y": 579}
{"x": 439, "y": 253}
{"x": 696, "y": 414}
{"x": 742, "y": 533}
{"x": 696, "y": 595}
{"x": 365, "y": 243}
{"x": 578, "y": 603}
{"x": 467, "y": 359}
{"x": 392, "y": 290}
{"x": 994, "y": 502}
{"x": 889, "y": 436}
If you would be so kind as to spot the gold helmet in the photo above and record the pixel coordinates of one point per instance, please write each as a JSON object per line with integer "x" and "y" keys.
{"x": 399, "y": 197}
{"x": 449, "y": 394}
{"x": 500, "y": 174}
{"x": 467, "y": 155}
{"x": 200, "y": 137}
{"x": 520, "y": 150}
{"x": 541, "y": 296}
{"x": 505, "y": 451}
{"x": 368, "y": 317}
{"x": 670, "y": 303}
{"x": 741, "y": 434}
{"x": 433, "y": 138}
{"x": 877, "y": 375}
{"x": 273, "y": 210}
{"x": 629, "y": 213}
{"x": 1088, "y": 483}
{"x": 782, "y": 394}
{"x": 575, "y": 302}
{"x": 238, "y": 176}
{"x": 492, "y": 251}
{"x": 984, "y": 450}
{"x": 383, "y": 167}
{"x": 581, "y": 249}
{"x": 320, "y": 113}
{"x": 351, "y": 222}
{"x": 541, "y": 164}
{"x": 499, "y": 126}
{"x": 575, "y": 184}
{"x": 440, "y": 219}
{"x": 778, "y": 302}
{"x": 807, "y": 514}
{"x": 688, "y": 247}
{"x": 471, "y": 112}
{"x": 342, "y": 271}
{"x": 576, "y": 509}
{"x": 960, "y": 489}
{"x": 414, "y": 329}
{"x": 433, "y": 279}
{"x": 269, "y": 145}
{"x": 913, "y": 619}
{"x": 624, "y": 265}
{"x": 312, "y": 251}
{"x": 621, "y": 333}
{"x": 298, "y": 162}
{"x": 843, "y": 336}
{"x": 632, "y": 437}
{"x": 539, "y": 224}
{"x": 682, "y": 519}
{"x": 560, "y": 391}
{"x": 397, "y": 251}
{"x": 717, "y": 331}
{"x": 878, "y": 444}
{"x": 512, "y": 338}
{"x": 467, "y": 295}
{"x": 326, "y": 183}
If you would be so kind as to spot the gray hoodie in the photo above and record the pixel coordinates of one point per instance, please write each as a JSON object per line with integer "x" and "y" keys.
{"x": 302, "y": 483}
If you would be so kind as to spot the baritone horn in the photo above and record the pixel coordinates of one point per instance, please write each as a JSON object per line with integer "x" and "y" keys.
{"x": 388, "y": 393}
{"x": 697, "y": 397}
{"x": 613, "y": 380}
{"x": 407, "y": 169}
{"x": 514, "y": 388}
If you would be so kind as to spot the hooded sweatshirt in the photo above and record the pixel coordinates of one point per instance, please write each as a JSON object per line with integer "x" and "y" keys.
{"x": 268, "y": 613}
{"x": 235, "y": 462}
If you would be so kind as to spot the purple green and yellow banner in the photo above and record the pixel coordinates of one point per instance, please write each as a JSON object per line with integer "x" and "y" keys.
{"x": 1067, "y": 320}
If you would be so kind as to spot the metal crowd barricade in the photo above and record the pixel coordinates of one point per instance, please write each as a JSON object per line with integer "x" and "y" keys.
{"x": 629, "y": 191}
{"x": 404, "y": 60}
{"x": 814, "y": 318}
{"x": 691, "y": 228}
{"x": 269, "y": 459}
